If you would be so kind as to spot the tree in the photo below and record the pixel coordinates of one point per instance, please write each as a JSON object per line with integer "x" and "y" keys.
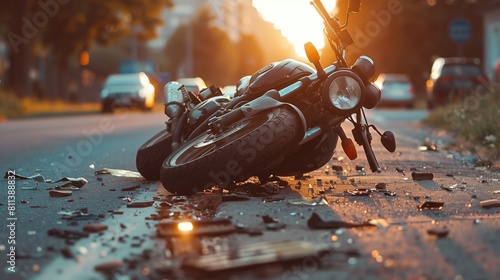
{"x": 68, "y": 28}
{"x": 405, "y": 36}
{"x": 215, "y": 58}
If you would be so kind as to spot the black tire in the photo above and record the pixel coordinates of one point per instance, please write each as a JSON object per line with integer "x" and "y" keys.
{"x": 309, "y": 157}
{"x": 244, "y": 150}
{"x": 151, "y": 155}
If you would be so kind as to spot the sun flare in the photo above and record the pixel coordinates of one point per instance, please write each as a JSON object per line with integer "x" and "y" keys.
{"x": 297, "y": 19}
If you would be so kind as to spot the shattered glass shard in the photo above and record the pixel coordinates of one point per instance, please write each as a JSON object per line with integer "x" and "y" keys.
{"x": 315, "y": 222}
{"x": 119, "y": 173}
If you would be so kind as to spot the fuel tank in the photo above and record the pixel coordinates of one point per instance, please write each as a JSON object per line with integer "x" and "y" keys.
{"x": 276, "y": 75}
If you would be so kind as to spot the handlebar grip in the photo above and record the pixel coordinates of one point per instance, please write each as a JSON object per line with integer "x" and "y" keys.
{"x": 370, "y": 156}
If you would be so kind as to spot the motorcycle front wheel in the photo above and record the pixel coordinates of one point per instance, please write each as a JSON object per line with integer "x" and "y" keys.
{"x": 246, "y": 148}
{"x": 151, "y": 155}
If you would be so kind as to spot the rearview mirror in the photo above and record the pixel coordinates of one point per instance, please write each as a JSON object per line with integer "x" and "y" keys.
{"x": 354, "y": 6}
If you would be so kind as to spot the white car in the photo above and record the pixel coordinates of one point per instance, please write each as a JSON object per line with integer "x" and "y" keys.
{"x": 127, "y": 90}
{"x": 397, "y": 90}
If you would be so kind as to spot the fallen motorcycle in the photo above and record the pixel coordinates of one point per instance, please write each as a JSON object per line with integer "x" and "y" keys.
{"x": 284, "y": 120}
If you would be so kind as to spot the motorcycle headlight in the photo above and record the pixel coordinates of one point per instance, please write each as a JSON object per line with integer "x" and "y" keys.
{"x": 343, "y": 92}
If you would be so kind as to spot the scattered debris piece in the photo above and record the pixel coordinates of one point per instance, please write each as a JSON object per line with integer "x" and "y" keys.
{"x": 381, "y": 186}
{"x": 417, "y": 176}
{"x": 313, "y": 202}
{"x": 140, "y": 204}
{"x": 109, "y": 266}
{"x": 431, "y": 205}
{"x": 315, "y": 222}
{"x": 71, "y": 183}
{"x": 275, "y": 226}
{"x": 132, "y": 188}
{"x": 268, "y": 219}
{"x": 195, "y": 227}
{"x": 60, "y": 193}
{"x": 428, "y": 145}
{"x": 380, "y": 223}
{"x": 67, "y": 234}
{"x": 37, "y": 177}
{"x": 490, "y": 203}
{"x": 496, "y": 192}
{"x": 449, "y": 188}
{"x": 30, "y": 188}
{"x": 337, "y": 168}
{"x": 93, "y": 228}
{"x": 438, "y": 231}
{"x": 360, "y": 192}
{"x": 118, "y": 173}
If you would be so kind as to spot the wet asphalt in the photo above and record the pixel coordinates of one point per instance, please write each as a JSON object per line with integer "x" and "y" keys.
{"x": 268, "y": 236}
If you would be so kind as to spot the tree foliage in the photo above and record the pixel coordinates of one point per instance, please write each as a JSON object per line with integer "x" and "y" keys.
{"x": 216, "y": 58}
{"x": 66, "y": 28}
{"x": 405, "y": 36}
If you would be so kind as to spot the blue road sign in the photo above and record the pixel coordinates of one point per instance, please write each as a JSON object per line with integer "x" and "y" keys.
{"x": 460, "y": 30}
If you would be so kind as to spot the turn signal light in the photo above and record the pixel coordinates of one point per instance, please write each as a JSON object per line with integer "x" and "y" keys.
{"x": 349, "y": 148}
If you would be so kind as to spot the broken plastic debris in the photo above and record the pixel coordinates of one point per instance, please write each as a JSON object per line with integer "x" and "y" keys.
{"x": 313, "y": 202}
{"x": 268, "y": 219}
{"x": 337, "y": 168}
{"x": 71, "y": 183}
{"x": 315, "y": 222}
{"x": 60, "y": 193}
{"x": 119, "y": 173}
{"x": 109, "y": 266}
{"x": 422, "y": 176}
{"x": 381, "y": 186}
{"x": 140, "y": 204}
{"x": 449, "y": 188}
{"x": 93, "y": 228}
{"x": 36, "y": 177}
{"x": 438, "y": 231}
{"x": 360, "y": 192}
{"x": 496, "y": 192}
{"x": 431, "y": 205}
{"x": 275, "y": 226}
{"x": 490, "y": 203}
{"x": 132, "y": 188}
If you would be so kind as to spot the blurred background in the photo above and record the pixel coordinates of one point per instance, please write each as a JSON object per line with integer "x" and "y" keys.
{"x": 63, "y": 50}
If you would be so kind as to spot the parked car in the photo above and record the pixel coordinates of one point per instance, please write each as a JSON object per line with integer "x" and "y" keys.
{"x": 194, "y": 85}
{"x": 397, "y": 90}
{"x": 453, "y": 78}
{"x": 127, "y": 90}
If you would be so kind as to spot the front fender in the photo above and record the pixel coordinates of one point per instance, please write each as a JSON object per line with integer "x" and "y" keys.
{"x": 271, "y": 100}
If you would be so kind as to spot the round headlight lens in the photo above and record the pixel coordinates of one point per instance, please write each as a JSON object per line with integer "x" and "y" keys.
{"x": 345, "y": 93}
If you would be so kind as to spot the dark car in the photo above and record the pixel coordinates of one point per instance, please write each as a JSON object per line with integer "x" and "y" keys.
{"x": 127, "y": 90}
{"x": 452, "y": 79}
{"x": 397, "y": 90}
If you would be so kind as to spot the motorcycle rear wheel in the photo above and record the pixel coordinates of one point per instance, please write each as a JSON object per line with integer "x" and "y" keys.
{"x": 243, "y": 150}
{"x": 151, "y": 155}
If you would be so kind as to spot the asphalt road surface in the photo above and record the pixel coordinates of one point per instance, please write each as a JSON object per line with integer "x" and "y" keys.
{"x": 53, "y": 240}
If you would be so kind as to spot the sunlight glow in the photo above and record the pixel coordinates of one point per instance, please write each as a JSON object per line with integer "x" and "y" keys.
{"x": 185, "y": 226}
{"x": 297, "y": 19}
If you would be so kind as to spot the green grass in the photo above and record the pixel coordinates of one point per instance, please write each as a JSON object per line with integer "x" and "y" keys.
{"x": 475, "y": 119}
